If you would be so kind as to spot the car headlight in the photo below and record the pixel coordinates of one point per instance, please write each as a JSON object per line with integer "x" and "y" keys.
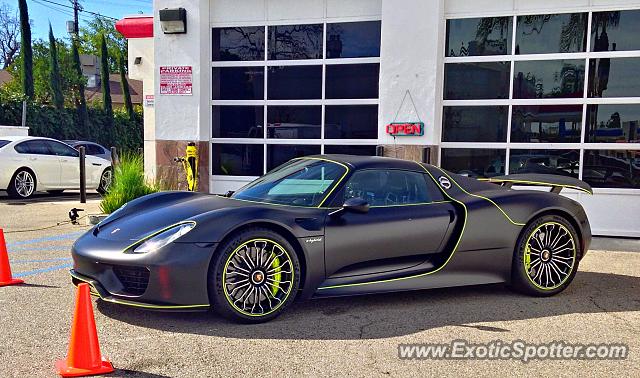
{"x": 163, "y": 238}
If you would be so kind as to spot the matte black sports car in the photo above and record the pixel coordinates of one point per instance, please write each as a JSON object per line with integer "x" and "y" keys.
{"x": 329, "y": 226}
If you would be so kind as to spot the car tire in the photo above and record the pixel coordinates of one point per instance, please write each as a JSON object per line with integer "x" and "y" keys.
{"x": 254, "y": 276}
{"x": 55, "y": 192}
{"x": 23, "y": 184}
{"x": 106, "y": 179}
{"x": 546, "y": 257}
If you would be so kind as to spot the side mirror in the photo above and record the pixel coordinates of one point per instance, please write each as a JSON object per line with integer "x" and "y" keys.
{"x": 354, "y": 205}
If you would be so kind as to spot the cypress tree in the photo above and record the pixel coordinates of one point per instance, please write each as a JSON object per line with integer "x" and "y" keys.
{"x": 26, "y": 50}
{"x": 54, "y": 72}
{"x": 125, "y": 87}
{"x": 104, "y": 78}
{"x": 81, "y": 102}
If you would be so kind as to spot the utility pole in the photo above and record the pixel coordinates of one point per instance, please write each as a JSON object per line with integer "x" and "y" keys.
{"x": 76, "y": 8}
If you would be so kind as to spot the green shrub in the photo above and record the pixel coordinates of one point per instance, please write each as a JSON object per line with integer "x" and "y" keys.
{"x": 128, "y": 183}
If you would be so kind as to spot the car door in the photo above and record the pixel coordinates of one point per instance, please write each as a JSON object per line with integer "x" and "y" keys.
{"x": 42, "y": 161}
{"x": 407, "y": 221}
{"x": 69, "y": 164}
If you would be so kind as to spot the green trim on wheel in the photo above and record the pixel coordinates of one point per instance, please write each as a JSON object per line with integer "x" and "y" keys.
{"x": 549, "y": 256}
{"x": 260, "y": 278}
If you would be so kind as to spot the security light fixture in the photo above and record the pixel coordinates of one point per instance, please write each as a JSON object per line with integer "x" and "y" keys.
{"x": 173, "y": 21}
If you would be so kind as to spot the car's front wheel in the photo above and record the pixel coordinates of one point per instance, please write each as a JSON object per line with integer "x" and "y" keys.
{"x": 22, "y": 185}
{"x": 254, "y": 276}
{"x": 546, "y": 256}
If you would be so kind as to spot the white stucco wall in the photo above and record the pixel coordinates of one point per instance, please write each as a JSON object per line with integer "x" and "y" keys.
{"x": 13, "y": 131}
{"x": 143, "y": 48}
{"x": 183, "y": 118}
{"x": 411, "y": 59}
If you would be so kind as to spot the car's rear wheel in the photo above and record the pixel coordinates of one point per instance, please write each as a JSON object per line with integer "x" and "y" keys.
{"x": 546, "y": 256}
{"x": 106, "y": 179}
{"x": 254, "y": 276}
{"x": 23, "y": 184}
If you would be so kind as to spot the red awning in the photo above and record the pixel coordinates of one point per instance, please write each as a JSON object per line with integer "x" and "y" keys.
{"x": 135, "y": 27}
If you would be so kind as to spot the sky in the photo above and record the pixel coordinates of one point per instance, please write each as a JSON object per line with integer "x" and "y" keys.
{"x": 41, "y": 12}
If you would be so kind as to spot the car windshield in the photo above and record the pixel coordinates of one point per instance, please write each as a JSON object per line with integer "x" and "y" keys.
{"x": 302, "y": 182}
{"x": 4, "y": 143}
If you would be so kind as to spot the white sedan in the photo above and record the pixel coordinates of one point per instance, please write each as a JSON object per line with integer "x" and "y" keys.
{"x": 28, "y": 164}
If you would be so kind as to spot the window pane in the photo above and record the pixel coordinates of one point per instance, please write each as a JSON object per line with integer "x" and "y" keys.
{"x": 612, "y": 168}
{"x": 238, "y": 43}
{"x": 618, "y": 77}
{"x": 549, "y": 79}
{"x": 295, "y": 82}
{"x": 554, "y": 162}
{"x": 474, "y": 162}
{"x": 546, "y": 124}
{"x": 36, "y": 147}
{"x": 237, "y": 159}
{"x": 350, "y": 150}
{"x": 476, "y": 81}
{"x": 613, "y": 124}
{"x": 294, "y": 122}
{"x": 551, "y": 33}
{"x": 615, "y": 31}
{"x": 62, "y": 149}
{"x": 304, "y": 182}
{"x": 278, "y": 154}
{"x": 351, "y": 122}
{"x": 238, "y": 122}
{"x": 4, "y": 143}
{"x": 295, "y": 42}
{"x": 238, "y": 83}
{"x": 475, "y": 123}
{"x": 479, "y": 36}
{"x": 352, "y": 81}
{"x": 353, "y": 39}
{"x": 387, "y": 187}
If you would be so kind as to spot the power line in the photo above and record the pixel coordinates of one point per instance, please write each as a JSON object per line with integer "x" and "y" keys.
{"x": 85, "y": 11}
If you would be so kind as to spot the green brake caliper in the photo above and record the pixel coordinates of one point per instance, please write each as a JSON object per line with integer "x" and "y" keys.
{"x": 527, "y": 259}
{"x": 276, "y": 285}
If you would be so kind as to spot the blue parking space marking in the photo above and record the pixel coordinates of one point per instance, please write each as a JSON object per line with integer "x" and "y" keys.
{"x": 72, "y": 235}
{"x": 43, "y": 270}
{"x": 62, "y": 247}
{"x": 40, "y": 261}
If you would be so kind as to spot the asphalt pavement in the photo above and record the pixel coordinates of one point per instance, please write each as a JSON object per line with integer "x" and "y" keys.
{"x": 356, "y": 337}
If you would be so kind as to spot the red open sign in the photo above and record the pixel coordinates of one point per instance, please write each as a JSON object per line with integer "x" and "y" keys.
{"x": 405, "y": 129}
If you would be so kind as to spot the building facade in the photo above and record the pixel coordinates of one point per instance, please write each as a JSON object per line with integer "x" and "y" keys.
{"x": 482, "y": 88}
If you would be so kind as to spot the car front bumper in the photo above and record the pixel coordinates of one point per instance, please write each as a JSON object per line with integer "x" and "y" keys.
{"x": 172, "y": 278}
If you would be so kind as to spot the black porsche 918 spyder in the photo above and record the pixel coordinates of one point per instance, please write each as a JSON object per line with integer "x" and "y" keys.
{"x": 334, "y": 225}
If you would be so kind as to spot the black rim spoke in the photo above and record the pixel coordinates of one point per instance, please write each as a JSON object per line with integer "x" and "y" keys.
{"x": 258, "y": 277}
{"x": 550, "y": 255}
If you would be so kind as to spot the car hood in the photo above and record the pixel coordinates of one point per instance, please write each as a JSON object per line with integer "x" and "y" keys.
{"x": 148, "y": 215}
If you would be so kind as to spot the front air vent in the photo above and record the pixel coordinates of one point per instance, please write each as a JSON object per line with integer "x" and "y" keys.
{"x": 134, "y": 279}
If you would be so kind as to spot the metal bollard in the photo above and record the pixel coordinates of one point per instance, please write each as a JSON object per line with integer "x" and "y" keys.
{"x": 114, "y": 157}
{"x": 83, "y": 175}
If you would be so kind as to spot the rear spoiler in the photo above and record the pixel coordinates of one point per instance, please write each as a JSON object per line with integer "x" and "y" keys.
{"x": 556, "y": 182}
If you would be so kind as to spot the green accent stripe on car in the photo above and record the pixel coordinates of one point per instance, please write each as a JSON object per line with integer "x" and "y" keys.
{"x": 455, "y": 248}
{"x": 96, "y": 293}
{"x": 482, "y": 197}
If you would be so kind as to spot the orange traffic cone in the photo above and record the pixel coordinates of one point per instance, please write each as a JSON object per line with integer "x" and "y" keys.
{"x": 5, "y": 269}
{"x": 84, "y": 351}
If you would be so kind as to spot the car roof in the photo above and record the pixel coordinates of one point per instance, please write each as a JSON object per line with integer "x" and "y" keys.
{"x": 367, "y": 162}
